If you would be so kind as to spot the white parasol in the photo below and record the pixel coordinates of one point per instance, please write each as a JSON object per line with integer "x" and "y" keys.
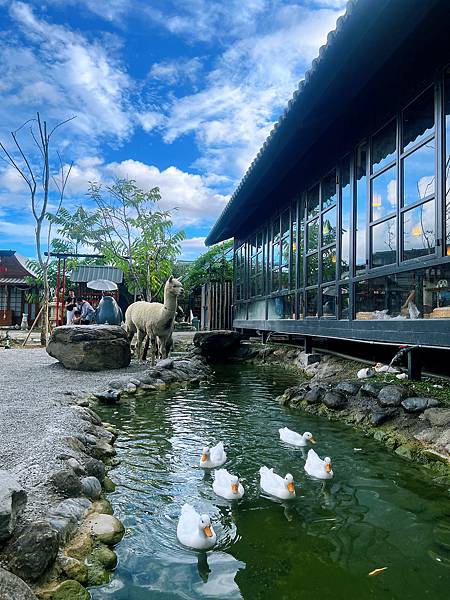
{"x": 103, "y": 285}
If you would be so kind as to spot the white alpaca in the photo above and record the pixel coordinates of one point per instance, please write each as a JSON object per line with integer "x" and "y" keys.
{"x": 154, "y": 320}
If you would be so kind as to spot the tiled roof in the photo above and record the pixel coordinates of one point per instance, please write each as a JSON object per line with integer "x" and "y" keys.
{"x": 86, "y": 273}
{"x": 12, "y": 281}
{"x": 323, "y": 51}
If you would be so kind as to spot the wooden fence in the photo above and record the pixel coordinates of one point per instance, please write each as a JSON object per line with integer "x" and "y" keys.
{"x": 217, "y": 306}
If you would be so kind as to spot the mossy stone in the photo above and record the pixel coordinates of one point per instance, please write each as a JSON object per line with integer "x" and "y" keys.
{"x": 68, "y": 590}
{"x": 80, "y": 546}
{"x": 105, "y": 556}
{"x": 75, "y": 569}
{"x": 108, "y": 485}
{"x": 404, "y": 452}
{"x": 103, "y": 507}
{"x": 97, "y": 574}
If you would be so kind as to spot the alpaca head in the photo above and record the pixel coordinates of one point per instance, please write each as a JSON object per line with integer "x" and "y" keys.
{"x": 173, "y": 286}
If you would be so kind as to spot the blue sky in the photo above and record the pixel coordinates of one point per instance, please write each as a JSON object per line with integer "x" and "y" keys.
{"x": 174, "y": 94}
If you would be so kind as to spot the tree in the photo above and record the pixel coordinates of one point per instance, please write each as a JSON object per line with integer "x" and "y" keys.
{"x": 215, "y": 264}
{"x": 38, "y": 171}
{"x": 133, "y": 234}
{"x": 73, "y": 226}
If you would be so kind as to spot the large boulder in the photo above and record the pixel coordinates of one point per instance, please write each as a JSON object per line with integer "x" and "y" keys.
{"x": 90, "y": 347}
{"x": 391, "y": 395}
{"x": 217, "y": 345}
{"x": 34, "y": 551}
{"x": 13, "y": 588}
{"x": 415, "y": 405}
{"x": 335, "y": 400}
{"x": 12, "y": 500}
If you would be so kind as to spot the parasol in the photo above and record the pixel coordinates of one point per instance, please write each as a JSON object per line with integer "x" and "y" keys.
{"x": 103, "y": 285}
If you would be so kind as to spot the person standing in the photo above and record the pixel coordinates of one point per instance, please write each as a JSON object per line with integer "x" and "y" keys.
{"x": 87, "y": 311}
{"x": 71, "y": 305}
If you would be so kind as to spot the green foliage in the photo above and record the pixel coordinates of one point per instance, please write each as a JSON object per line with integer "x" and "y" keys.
{"x": 74, "y": 227}
{"x": 216, "y": 264}
{"x": 133, "y": 234}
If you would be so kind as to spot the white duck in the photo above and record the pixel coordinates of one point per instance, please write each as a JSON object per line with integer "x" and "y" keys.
{"x": 296, "y": 439}
{"x": 213, "y": 457}
{"x": 274, "y": 485}
{"x": 195, "y": 530}
{"x": 316, "y": 467}
{"x": 227, "y": 485}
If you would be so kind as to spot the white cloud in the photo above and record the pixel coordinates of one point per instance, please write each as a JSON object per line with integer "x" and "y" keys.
{"x": 110, "y": 10}
{"x": 176, "y": 71}
{"x": 194, "y": 201}
{"x": 251, "y": 84}
{"x": 192, "y": 247}
{"x": 204, "y": 19}
{"x": 65, "y": 74}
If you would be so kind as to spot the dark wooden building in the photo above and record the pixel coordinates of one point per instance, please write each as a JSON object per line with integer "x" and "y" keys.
{"x": 16, "y": 289}
{"x": 342, "y": 221}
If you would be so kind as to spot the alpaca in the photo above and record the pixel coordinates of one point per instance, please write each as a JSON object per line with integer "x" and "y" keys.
{"x": 154, "y": 320}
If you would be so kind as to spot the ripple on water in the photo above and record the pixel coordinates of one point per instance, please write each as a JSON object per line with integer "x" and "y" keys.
{"x": 377, "y": 511}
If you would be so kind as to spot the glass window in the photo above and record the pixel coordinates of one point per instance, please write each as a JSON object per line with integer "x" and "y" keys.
{"x": 311, "y": 303}
{"x": 344, "y": 302}
{"x": 418, "y": 119}
{"x": 284, "y": 277}
{"x": 275, "y": 254}
{"x": 329, "y": 227}
{"x": 361, "y": 208}
{"x": 275, "y": 280}
{"x": 312, "y": 205}
{"x": 384, "y": 243}
{"x": 300, "y": 307}
{"x": 329, "y": 264}
{"x": 312, "y": 269}
{"x": 285, "y": 223}
{"x": 281, "y": 307}
{"x": 384, "y": 194}
{"x": 447, "y": 158}
{"x": 419, "y": 231}
{"x": 419, "y": 174}
{"x": 294, "y": 256}
{"x": 383, "y": 146}
{"x": 285, "y": 251}
{"x": 301, "y": 235}
{"x": 329, "y": 301}
{"x": 276, "y": 230}
{"x": 345, "y": 216}
{"x": 329, "y": 190}
{"x": 313, "y": 235}
{"x": 257, "y": 310}
{"x": 240, "y": 311}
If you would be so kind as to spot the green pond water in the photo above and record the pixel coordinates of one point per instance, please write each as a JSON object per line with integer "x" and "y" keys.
{"x": 378, "y": 511}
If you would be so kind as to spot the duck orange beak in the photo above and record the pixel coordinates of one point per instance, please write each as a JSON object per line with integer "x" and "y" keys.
{"x": 234, "y": 488}
{"x": 290, "y": 487}
{"x": 312, "y": 440}
{"x": 204, "y": 457}
{"x": 328, "y": 468}
{"x": 208, "y": 531}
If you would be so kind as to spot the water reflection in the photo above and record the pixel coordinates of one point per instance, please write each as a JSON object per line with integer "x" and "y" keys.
{"x": 377, "y": 511}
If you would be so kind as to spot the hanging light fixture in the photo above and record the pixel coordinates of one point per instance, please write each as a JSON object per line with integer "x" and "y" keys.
{"x": 417, "y": 231}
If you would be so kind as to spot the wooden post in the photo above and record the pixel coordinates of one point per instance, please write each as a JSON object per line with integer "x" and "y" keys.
{"x": 414, "y": 365}
{"x": 58, "y": 291}
{"x": 308, "y": 344}
{"x": 32, "y": 327}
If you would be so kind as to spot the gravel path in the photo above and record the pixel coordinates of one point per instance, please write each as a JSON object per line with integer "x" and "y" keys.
{"x": 37, "y": 411}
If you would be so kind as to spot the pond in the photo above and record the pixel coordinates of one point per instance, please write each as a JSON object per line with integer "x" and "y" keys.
{"x": 378, "y": 510}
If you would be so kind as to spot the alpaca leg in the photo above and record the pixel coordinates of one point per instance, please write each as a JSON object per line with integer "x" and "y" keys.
{"x": 145, "y": 352}
{"x": 141, "y": 336}
{"x": 153, "y": 344}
